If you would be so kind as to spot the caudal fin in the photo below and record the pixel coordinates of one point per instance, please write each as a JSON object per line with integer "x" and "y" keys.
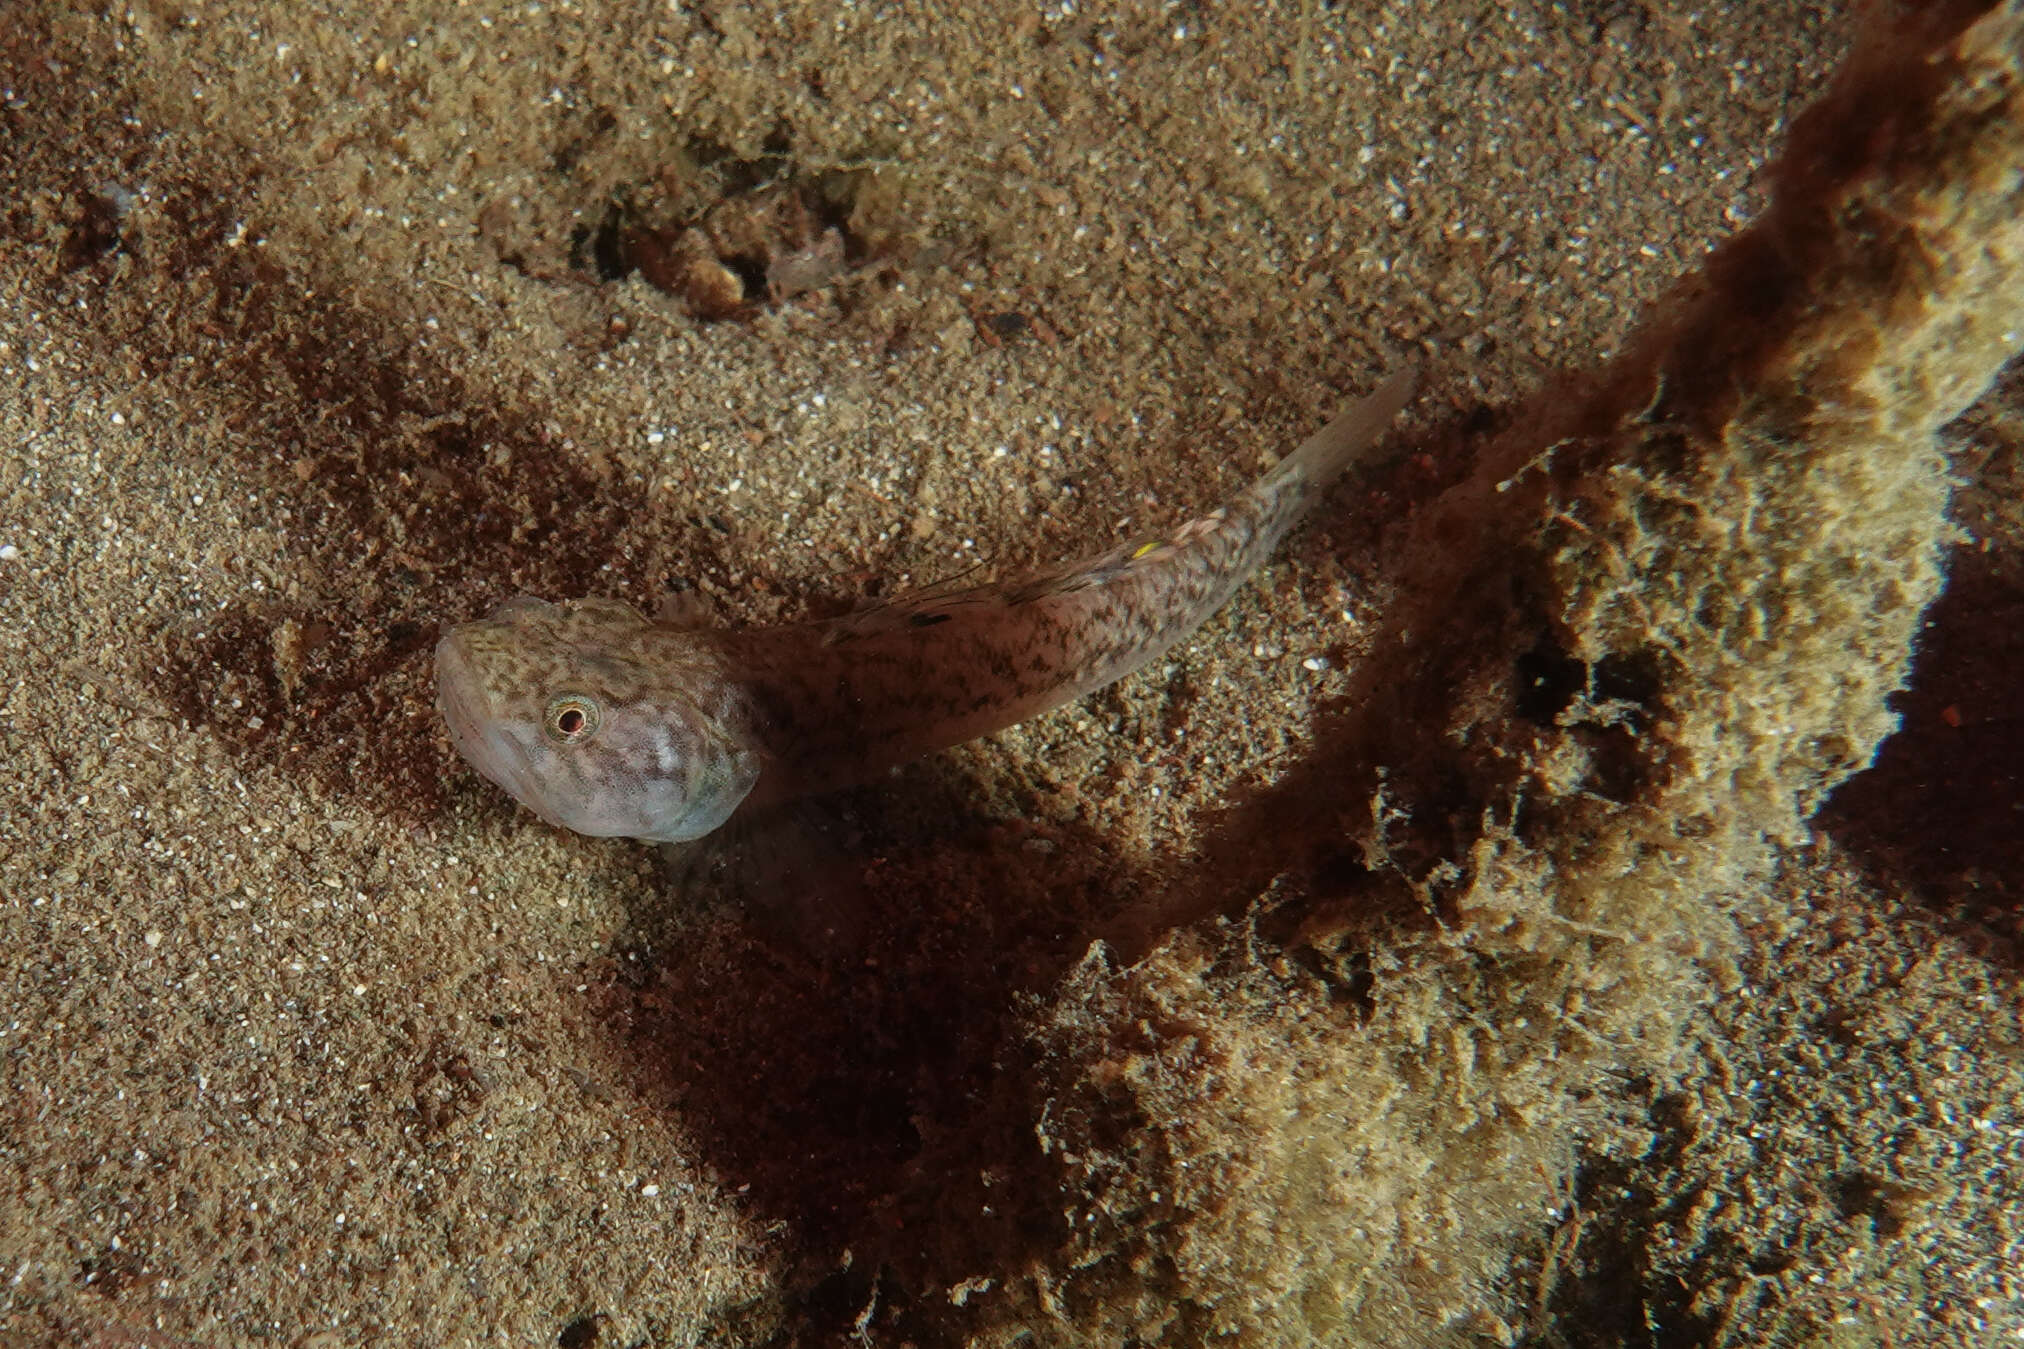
{"x": 1337, "y": 445}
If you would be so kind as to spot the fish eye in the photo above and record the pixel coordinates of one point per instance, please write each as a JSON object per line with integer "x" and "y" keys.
{"x": 571, "y": 719}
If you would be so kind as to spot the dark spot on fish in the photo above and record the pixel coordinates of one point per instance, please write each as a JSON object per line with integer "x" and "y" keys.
{"x": 928, "y": 620}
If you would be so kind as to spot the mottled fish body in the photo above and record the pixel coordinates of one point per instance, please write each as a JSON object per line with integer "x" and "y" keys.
{"x": 606, "y": 722}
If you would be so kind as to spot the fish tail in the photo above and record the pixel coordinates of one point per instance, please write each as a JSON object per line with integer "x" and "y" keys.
{"x": 1326, "y": 453}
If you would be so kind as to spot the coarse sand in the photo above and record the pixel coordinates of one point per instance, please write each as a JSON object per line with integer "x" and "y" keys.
{"x": 1460, "y": 942}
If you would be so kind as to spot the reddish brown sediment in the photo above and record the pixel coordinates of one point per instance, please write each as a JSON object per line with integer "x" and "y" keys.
{"x": 1471, "y": 1003}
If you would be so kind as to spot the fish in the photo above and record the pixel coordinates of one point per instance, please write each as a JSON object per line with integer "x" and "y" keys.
{"x": 604, "y": 721}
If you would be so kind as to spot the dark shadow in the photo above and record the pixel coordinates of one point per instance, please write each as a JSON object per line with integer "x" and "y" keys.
{"x": 1940, "y": 811}
{"x": 833, "y": 1004}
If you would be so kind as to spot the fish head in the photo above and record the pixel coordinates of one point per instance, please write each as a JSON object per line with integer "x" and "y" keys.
{"x": 596, "y": 719}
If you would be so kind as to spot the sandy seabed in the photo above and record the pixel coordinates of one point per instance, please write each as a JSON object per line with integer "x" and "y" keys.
{"x": 1490, "y": 930}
